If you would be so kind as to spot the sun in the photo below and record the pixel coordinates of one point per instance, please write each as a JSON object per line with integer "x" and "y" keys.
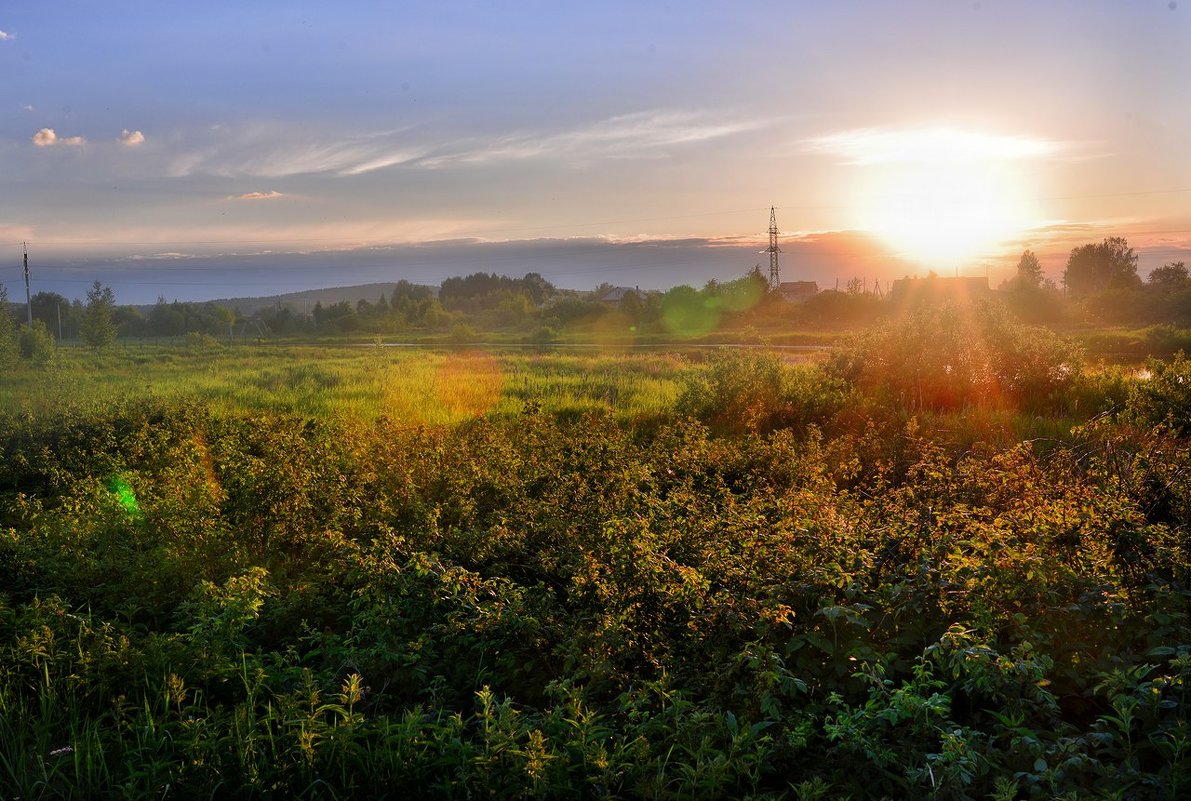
{"x": 941, "y": 197}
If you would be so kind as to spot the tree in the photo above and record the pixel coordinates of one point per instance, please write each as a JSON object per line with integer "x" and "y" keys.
{"x": 53, "y": 309}
{"x": 8, "y": 331}
{"x": 1111, "y": 264}
{"x": 98, "y": 327}
{"x": 538, "y": 288}
{"x": 1170, "y": 277}
{"x": 1029, "y": 271}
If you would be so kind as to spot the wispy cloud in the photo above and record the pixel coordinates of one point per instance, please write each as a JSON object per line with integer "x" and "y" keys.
{"x": 864, "y": 146}
{"x": 46, "y": 137}
{"x": 273, "y": 151}
{"x": 5, "y": 36}
{"x": 627, "y": 135}
{"x": 132, "y": 138}
{"x": 258, "y": 195}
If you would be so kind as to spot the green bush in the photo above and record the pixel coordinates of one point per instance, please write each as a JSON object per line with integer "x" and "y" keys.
{"x": 37, "y": 343}
{"x": 747, "y": 389}
{"x": 252, "y": 605}
{"x": 1163, "y": 397}
{"x": 1167, "y": 339}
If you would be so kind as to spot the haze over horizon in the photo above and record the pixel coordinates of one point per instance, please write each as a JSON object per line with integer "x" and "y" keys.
{"x": 227, "y": 149}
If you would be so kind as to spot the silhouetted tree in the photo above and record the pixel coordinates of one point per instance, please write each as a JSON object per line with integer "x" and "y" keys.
{"x": 1170, "y": 277}
{"x": 1029, "y": 271}
{"x": 1111, "y": 264}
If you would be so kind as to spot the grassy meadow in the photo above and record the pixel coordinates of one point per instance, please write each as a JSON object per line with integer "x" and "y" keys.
{"x": 946, "y": 559}
{"x": 419, "y": 385}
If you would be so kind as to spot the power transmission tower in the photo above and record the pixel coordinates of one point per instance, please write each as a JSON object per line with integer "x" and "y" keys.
{"x": 28, "y": 300}
{"x": 774, "y": 277}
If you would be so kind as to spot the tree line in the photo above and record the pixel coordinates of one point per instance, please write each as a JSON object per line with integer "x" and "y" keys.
{"x": 1099, "y": 284}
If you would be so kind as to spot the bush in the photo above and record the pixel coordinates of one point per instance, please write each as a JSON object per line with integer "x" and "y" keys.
{"x": 955, "y": 356}
{"x": 1167, "y": 339}
{"x": 463, "y": 334}
{"x": 1164, "y": 398}
{"x": 751, "y": 390}
{"x": 37, "y": 343}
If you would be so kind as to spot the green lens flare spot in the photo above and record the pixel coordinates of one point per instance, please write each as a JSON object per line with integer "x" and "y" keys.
{"x": 124, "y": 496}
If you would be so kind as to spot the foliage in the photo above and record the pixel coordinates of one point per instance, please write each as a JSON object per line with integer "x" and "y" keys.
{"x": 177, "y": 319}
{"x": 1029, "y": 271}
{"x": 482, "y": 290}
{"x": 37, "y": 344}
{"x": 808, "y": 595}
{"x": 1169, "y": 277}
{"x": 98, "y": 326}
{"x": 58, "y": 313}
{"x": 953, "y": 356}
{"x": 1163, "y": 397}
{"x": 9, "y": 342}
{"x": 1096, "y": 267}
{"x": 747, "y": 389}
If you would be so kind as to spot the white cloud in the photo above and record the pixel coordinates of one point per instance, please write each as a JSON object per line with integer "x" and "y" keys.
{"x": 132, "y": 138}
{"x": 46, "y": 137}
{"x": 627, "y": 135}
{"x": 271, "y": 151}
{"x": 382, "y": 161}
{"x": 4, "y": 36}
{"x": 865, "y": 146}
{"x": 257, "y": 195}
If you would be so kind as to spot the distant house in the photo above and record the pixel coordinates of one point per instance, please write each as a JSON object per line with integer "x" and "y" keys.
{"x": 797, "y": 291}
{"x": 938, "y": 289}
{"x": 616, "y": 294}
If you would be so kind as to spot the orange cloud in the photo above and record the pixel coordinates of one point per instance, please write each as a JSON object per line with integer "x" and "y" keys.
{"x": 46, "y": 137}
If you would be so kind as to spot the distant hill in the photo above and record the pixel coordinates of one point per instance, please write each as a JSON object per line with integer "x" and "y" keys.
{"x": 299, "y": 301}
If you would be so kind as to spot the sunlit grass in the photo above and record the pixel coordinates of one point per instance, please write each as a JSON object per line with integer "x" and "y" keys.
{"x": 363, "y": 383}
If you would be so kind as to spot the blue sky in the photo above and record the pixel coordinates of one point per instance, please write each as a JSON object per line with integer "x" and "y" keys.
{"x": 149, "y": 144}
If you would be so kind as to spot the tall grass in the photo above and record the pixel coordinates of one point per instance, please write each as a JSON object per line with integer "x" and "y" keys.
{"x": 362, "y": 383}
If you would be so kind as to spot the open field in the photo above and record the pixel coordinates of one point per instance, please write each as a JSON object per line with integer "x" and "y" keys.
{"x": 947, "y": 560}
{"x": 414, "y": 386}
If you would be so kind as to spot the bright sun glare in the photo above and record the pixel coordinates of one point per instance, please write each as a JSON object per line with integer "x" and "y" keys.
{"x": 942, "y": 197}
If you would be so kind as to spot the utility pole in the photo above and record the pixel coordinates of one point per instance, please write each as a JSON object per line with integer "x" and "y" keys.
{"x": 28, "y": 300}
{"x": 774, "y": 277}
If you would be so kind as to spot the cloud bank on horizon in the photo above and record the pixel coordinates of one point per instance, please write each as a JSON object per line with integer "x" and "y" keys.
{"x": 619, "y": 122}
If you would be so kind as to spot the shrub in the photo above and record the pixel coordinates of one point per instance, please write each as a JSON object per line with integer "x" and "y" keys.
{"x": 37, "y": 343}
{"x": 463, "y": 334}
{"x": 1168, "y": 339}
{"x": 953, "y": 356}
{"x": 751, "y": 390}
{"x": 1165, "y": 397}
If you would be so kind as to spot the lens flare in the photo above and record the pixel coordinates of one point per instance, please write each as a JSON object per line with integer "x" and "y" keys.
{"x": 689, "y": 314}
{"x": 469, "y": 384}
{"x": 124, "y": 495}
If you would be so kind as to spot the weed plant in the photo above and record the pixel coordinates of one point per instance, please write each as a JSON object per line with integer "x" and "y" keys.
{"x": 261, "y": 574}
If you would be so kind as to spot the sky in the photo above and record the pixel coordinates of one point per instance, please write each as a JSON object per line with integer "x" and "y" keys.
{"x": 221, "y": 149}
